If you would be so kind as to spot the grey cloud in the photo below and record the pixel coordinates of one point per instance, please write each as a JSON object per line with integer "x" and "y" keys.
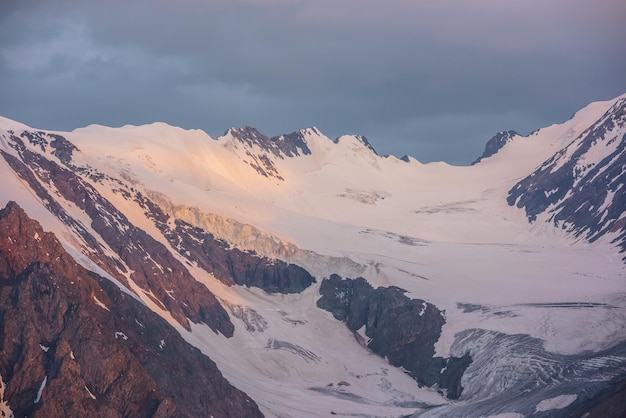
{"x": 431, "y": 79}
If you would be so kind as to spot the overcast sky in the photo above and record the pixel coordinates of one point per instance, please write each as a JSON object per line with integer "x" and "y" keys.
{"x": 432, "y": 79}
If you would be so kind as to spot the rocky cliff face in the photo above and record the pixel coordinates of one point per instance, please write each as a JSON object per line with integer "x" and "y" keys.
{"x": 495, "y": 144}
{"x": 283, "y": 146}
{"x": 229, "y": 265}
{"x": 401, "y": 329}
{"x": 248, "y": 238}
{"x": 581, "y": 187}
{"x": 73, "y": 344}
{"x": 289, "y": 145}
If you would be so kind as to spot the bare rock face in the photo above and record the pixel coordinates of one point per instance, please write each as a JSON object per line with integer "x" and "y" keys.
{"x": 401, "y": 329}
{"x": 580, "y": 188}
{"x": 233, "y": 266}
{"x": 73, "y": 344}
{"x": 289, "y": 145}
{"x": 495, "y": 144}
{"x": 229, "y": 265}
{"x": 248, "y": 238}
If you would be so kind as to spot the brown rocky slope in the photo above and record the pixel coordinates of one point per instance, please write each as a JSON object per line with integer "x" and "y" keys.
{"x": 73, "y": 344}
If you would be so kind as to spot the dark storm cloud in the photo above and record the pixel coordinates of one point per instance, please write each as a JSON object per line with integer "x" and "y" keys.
{"x": 431, "y": 80}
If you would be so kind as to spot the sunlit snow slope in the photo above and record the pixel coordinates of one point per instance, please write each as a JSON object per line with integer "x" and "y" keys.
{"x": 539, "y": 308}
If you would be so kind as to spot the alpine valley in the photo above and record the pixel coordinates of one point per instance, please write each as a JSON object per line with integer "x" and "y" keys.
{"x": 155, "y": 271}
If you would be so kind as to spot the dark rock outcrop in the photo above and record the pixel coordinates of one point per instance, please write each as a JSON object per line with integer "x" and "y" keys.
{"x": 233, "y": 266}
{"x": 363, "y": 140}
{"x": 282, "y": 146}
{"x": 495, "y": 144}
{"x": 290, "y": 145}
{"x": 73, "y": 344}
{"x": 450, "y": 377}
{"x": 229, "y": 265}
{"x": 401, "y": 329}
{"x": 63, "y": 149}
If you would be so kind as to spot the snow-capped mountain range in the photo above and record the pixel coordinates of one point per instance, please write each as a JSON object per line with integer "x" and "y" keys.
{"x": 320, "y": 277}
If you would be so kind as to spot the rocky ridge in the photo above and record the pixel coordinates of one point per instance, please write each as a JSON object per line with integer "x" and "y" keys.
{"x": 141, "y": 258}
{"x": 580, "y": 188}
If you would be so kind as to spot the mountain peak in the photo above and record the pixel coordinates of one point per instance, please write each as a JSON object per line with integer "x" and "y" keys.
{"x": 292, "y": 144}
{"x": 359, "y": 138}
{"x": 288, "y": 145}
{"x": 311, "y": 131}
{"x": 10, "y": 124}
{"x": 247, "y": 134}
{"x": 495, "y": 144}
{"x": 366, "y": 143}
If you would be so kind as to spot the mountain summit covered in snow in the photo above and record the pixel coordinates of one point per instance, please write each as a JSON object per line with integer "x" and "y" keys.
{"x": 172, "y": 274}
